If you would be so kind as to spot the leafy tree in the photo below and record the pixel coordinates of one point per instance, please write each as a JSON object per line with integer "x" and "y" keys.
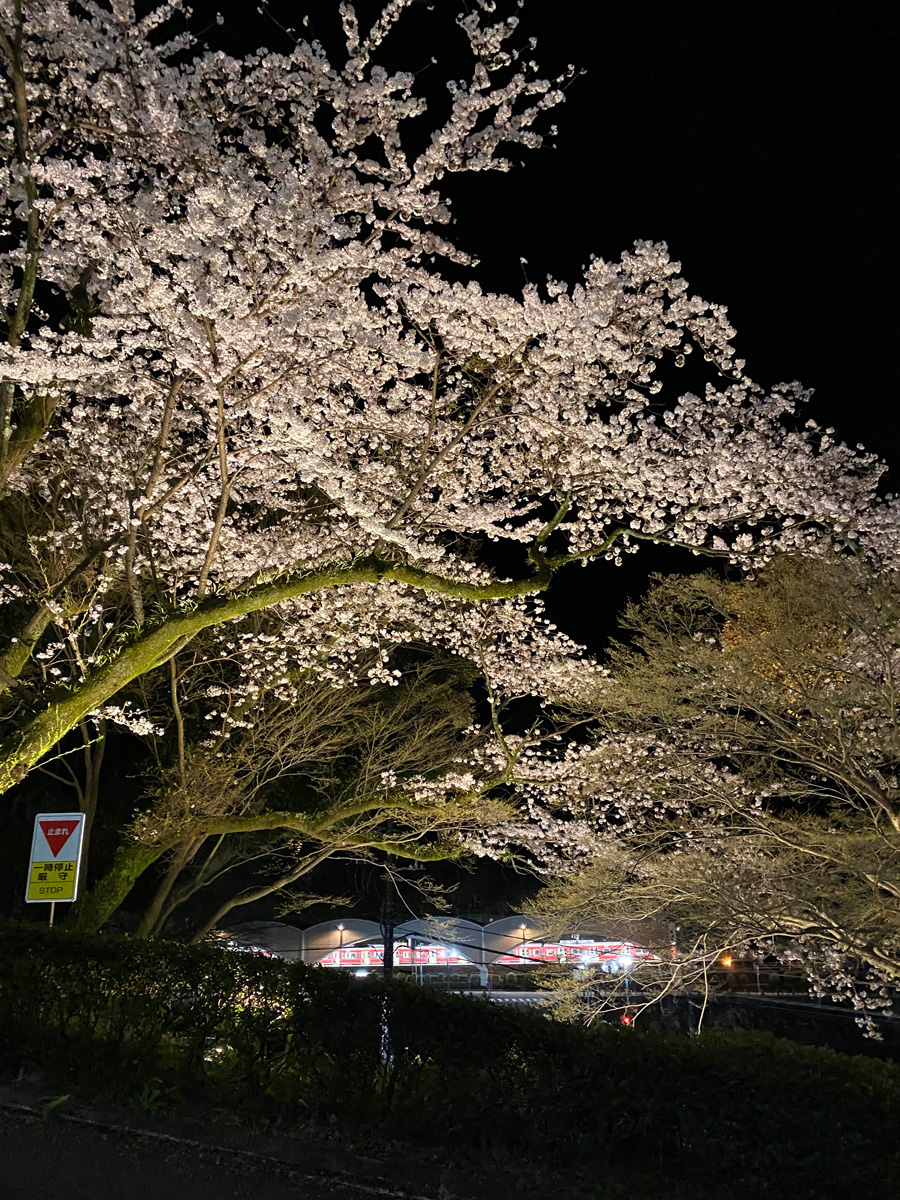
{"x": 746, "y": 784}
{"x": 234, "y": 379}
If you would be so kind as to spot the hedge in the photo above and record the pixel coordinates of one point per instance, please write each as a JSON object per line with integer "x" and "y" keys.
{"x": 260, "y": 1037}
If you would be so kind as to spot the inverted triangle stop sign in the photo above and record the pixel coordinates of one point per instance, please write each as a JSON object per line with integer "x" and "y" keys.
{"x": 57, "y": 833}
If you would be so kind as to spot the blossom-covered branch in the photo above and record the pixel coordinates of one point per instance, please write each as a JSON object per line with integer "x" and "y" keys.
{"x": 235, "y": 378}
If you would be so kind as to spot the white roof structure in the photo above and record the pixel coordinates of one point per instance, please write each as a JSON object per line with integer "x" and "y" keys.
{"x": 319, "y": 941}
{"x": 480, "y": 944}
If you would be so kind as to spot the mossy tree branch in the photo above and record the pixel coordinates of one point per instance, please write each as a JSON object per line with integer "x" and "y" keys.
{"x": 132, "y": 859}
{"x": 152, "y": 647}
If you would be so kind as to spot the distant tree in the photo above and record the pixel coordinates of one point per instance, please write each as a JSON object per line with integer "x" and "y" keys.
{"x": 234, "y": 380}
{"x": 746, "y": 785}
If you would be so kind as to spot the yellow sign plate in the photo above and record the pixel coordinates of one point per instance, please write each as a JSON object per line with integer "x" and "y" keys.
{"x": 52, "y": 881}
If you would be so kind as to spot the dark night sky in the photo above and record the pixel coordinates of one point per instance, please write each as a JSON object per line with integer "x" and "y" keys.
{"x": 754, "y": 138}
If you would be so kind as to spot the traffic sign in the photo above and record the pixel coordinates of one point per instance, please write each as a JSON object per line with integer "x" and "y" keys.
{"x": 55, "y": 858}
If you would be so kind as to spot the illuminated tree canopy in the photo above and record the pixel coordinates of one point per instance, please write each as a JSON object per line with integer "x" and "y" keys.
{"x": 235, "y": 380}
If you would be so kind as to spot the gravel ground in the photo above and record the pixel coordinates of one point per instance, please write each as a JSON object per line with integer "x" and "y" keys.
{"x": 57, "y": 1155}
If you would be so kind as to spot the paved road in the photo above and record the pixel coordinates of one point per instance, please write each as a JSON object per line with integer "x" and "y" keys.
{"x": 55, "y": 1156}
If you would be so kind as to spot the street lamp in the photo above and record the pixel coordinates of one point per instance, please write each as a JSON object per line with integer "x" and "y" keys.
{"x": 522, "y": 928}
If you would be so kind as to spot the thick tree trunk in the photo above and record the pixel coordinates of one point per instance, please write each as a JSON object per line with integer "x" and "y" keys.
{"x": 95, "y": 907}
{"x": 201, "y": 879}
{"x": 266, "y": 889}
{"x": 93, "y": 761}
{"x": 180, "y": 859}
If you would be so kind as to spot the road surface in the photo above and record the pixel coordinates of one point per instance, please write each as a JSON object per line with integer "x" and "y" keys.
{"x": 53, "y": 1155}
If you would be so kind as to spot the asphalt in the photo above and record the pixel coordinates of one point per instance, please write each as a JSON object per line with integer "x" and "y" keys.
{"x": 82, "y": 1147}
{"x": 62, "y": 1156}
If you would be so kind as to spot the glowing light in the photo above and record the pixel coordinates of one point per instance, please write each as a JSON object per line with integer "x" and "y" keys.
{"x": 726, "y": 960}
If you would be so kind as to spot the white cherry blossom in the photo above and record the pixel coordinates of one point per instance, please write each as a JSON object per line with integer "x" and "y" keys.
{"x": 267, "y": 395}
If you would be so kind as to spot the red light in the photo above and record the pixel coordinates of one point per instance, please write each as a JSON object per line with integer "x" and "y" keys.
{"x": 627, "y": 1019}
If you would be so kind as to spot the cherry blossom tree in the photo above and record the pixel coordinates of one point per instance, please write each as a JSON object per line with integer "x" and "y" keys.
{"x": 745, "y": 781}
{"x": 234, "y": 378}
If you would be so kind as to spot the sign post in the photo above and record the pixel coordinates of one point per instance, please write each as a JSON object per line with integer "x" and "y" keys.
{"x": 55, "y": 859}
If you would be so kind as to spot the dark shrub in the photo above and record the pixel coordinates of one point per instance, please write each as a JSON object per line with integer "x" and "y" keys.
{"x": 259, "y": 1036}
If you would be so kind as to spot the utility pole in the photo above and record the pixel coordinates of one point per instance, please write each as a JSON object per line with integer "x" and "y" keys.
{"x": 387, "y": 925}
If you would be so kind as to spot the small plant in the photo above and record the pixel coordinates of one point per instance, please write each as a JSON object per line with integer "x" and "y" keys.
{"x": 50, "y": 1105}
{"x": 154, "y": 1095}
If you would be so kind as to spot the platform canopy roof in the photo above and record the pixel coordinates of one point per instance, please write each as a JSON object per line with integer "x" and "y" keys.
{"x": 480, "y": 944}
